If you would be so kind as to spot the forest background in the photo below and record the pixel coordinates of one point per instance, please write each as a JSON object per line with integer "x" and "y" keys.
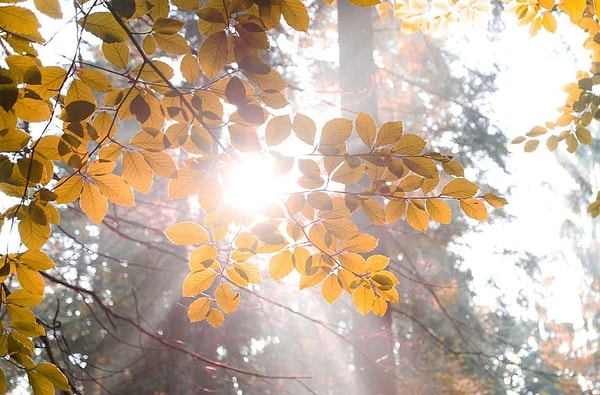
{"x": 163, "y": 161}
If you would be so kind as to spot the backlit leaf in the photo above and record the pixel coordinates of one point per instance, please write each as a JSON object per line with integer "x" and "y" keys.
{"x": 460, "y": 188}
{"x": 227, "y": 299}
{"x": 215, "y": 318}
{"x": 379, "y": 307}
{"x": 104, "y": 26}
{"x": 33, "y": 235}
{"x": 353, "y": 262}
{"x": 331, "y": 288}
{"x": 336, "y": 131}
{"x": 198, "y": 282}
{"x": 439, "y": 210}
{"x": 281, "y": 265}
{"x": 389, "y": 133}
{"x": 494, "y": 201}
{"x": 474, "y": 208}
{"x": 52, "y": 373}
{"x": 36, "y": 260}
{"x": 95, "y": 79}
{"x": 394, "y": 210}
{"x": 190, "y": 68}
{"x": 363, "y": 299}
{"x": 185, "y": 233}
{"x": 295, "y": 14}
{"x": 374, "y": 211}
{"x": 49, "y": 8}
{"x": 116, "y": 53}
{"x": 93, "y": 203}
{"x": 31, "y": 280}
{"x": 366, "y": 128}
{"x": 199, "y": 309}
{"x": 416, "y": 217}
{"x": 13, "y": 140}
{"x": 304, "y": 128}
{"x": 115, "y": 189}
{"x": 343, "y": 228}
{"x": 24, "y": 298}
{"x": 136, "y": 171}
{"x": 213, "y": 53}
{"x": 360, "y": 243}
{"x": 574, "y": 8}
{"x": 20, "y": 21}
{"x": 531, "y": 145}
{"x": 278, "y": 130}
{"x": 409, "y": 144}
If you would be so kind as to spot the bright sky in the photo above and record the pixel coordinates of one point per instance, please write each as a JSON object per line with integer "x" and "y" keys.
{"x": 529, "y": 91}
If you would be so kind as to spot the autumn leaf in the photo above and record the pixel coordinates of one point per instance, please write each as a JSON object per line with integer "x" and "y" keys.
{"x": 185, "y": 233}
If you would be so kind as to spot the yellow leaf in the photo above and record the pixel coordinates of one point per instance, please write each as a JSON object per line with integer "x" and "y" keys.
{"x": 36, "y": 260}
{"x": 346, "y": 174}
{"x": 366, "y": 128}
{"x": 552, "y": 141}
{"x": 278, "y": 130}
{"x": 309, "y": 169}
{"x": 310, "y": 280}
{"x": 343, "y": 228}
{"x": 304, "y": 128}
{"x": 227, "y": 299}
{"x": 213, "y": 53}
{"x": 20, "y": 21}
{"x": 104, "y": 26}
{"x": 574, "y": 8}
{"x": 360, "y": 243}
{"x": 583, "y": 135}
{"x": 438, "y": 210}
{"x": 363, "y": 298}
{"x": 331, "y": 288}
{"x": 24, "y": 298}
{"x": 547, "y": 4}
{"x": 531, "y": 145}
{"x": 249, "y": 271}
{"x": 32, "y": 234}
{"x": 422, "y": 166}
{"x": 115, "y": 189}
{"x": 364, "y": 3}
{"x": 353, "y": 262}
{"x": 215, "y": 318}
{"x": 93, "y": 203}
{"x": 336, "y": 131}
{"x": 116, "y": 53}
{"x": 49, "y": 8}
{"x": 95, "y": 79}
{"x": 32, "y": 110}
{"x": 172, "y": 43}
{"x": 409, "y": 144}
{"x": 24, "y": 321}
{"x": 394, "y": 210}
{"x": 295, "y": 14}
{"x": 494, "y": 201}
{"x": 320, "y": 238}
{"x": 185, "y": 233}
{"x": 31, "y": 280}
{"x": 13, "y": 140}
{"x": 379, "y": 307}
{"x": 374, "y": 211}
{"x": 161, "y": 163}
{"x": 411, "y": 183}
{"x": 136, "y": 171}
{"x": 204, "y": 257}
{"x": 549, "y": 22}
{"x": 190, "y": 68}
{"x": 52, "y": 373}
{"x": 453, "y": 168}
{"x": 377, "y": 262}
{"x": 389, "y": 133}
{"x": 474, "y": 208}
{"x": 105, "y": 125}
{"x": 199, "y": 309}
{"x": 198, "y": 282}
{"x": 416, "y": 217}
{"x": 536, "y": 131}
{"x": 281, "y": 265}
{"x": 460, "y": 188}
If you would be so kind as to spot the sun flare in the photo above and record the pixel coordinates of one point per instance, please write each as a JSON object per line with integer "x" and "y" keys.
{"x": 252, "y": 183}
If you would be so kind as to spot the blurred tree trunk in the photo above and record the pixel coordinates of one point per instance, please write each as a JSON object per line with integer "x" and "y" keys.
{"x": 372, "y": 335}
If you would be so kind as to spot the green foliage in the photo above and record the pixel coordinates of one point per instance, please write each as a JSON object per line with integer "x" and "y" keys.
{"x": 213, "y": 115}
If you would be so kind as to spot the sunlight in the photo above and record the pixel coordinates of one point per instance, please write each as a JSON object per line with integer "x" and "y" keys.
{"x": 252, "y": 183}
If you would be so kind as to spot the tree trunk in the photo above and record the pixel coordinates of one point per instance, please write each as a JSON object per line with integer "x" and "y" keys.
{"x": 372, "y": 335}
